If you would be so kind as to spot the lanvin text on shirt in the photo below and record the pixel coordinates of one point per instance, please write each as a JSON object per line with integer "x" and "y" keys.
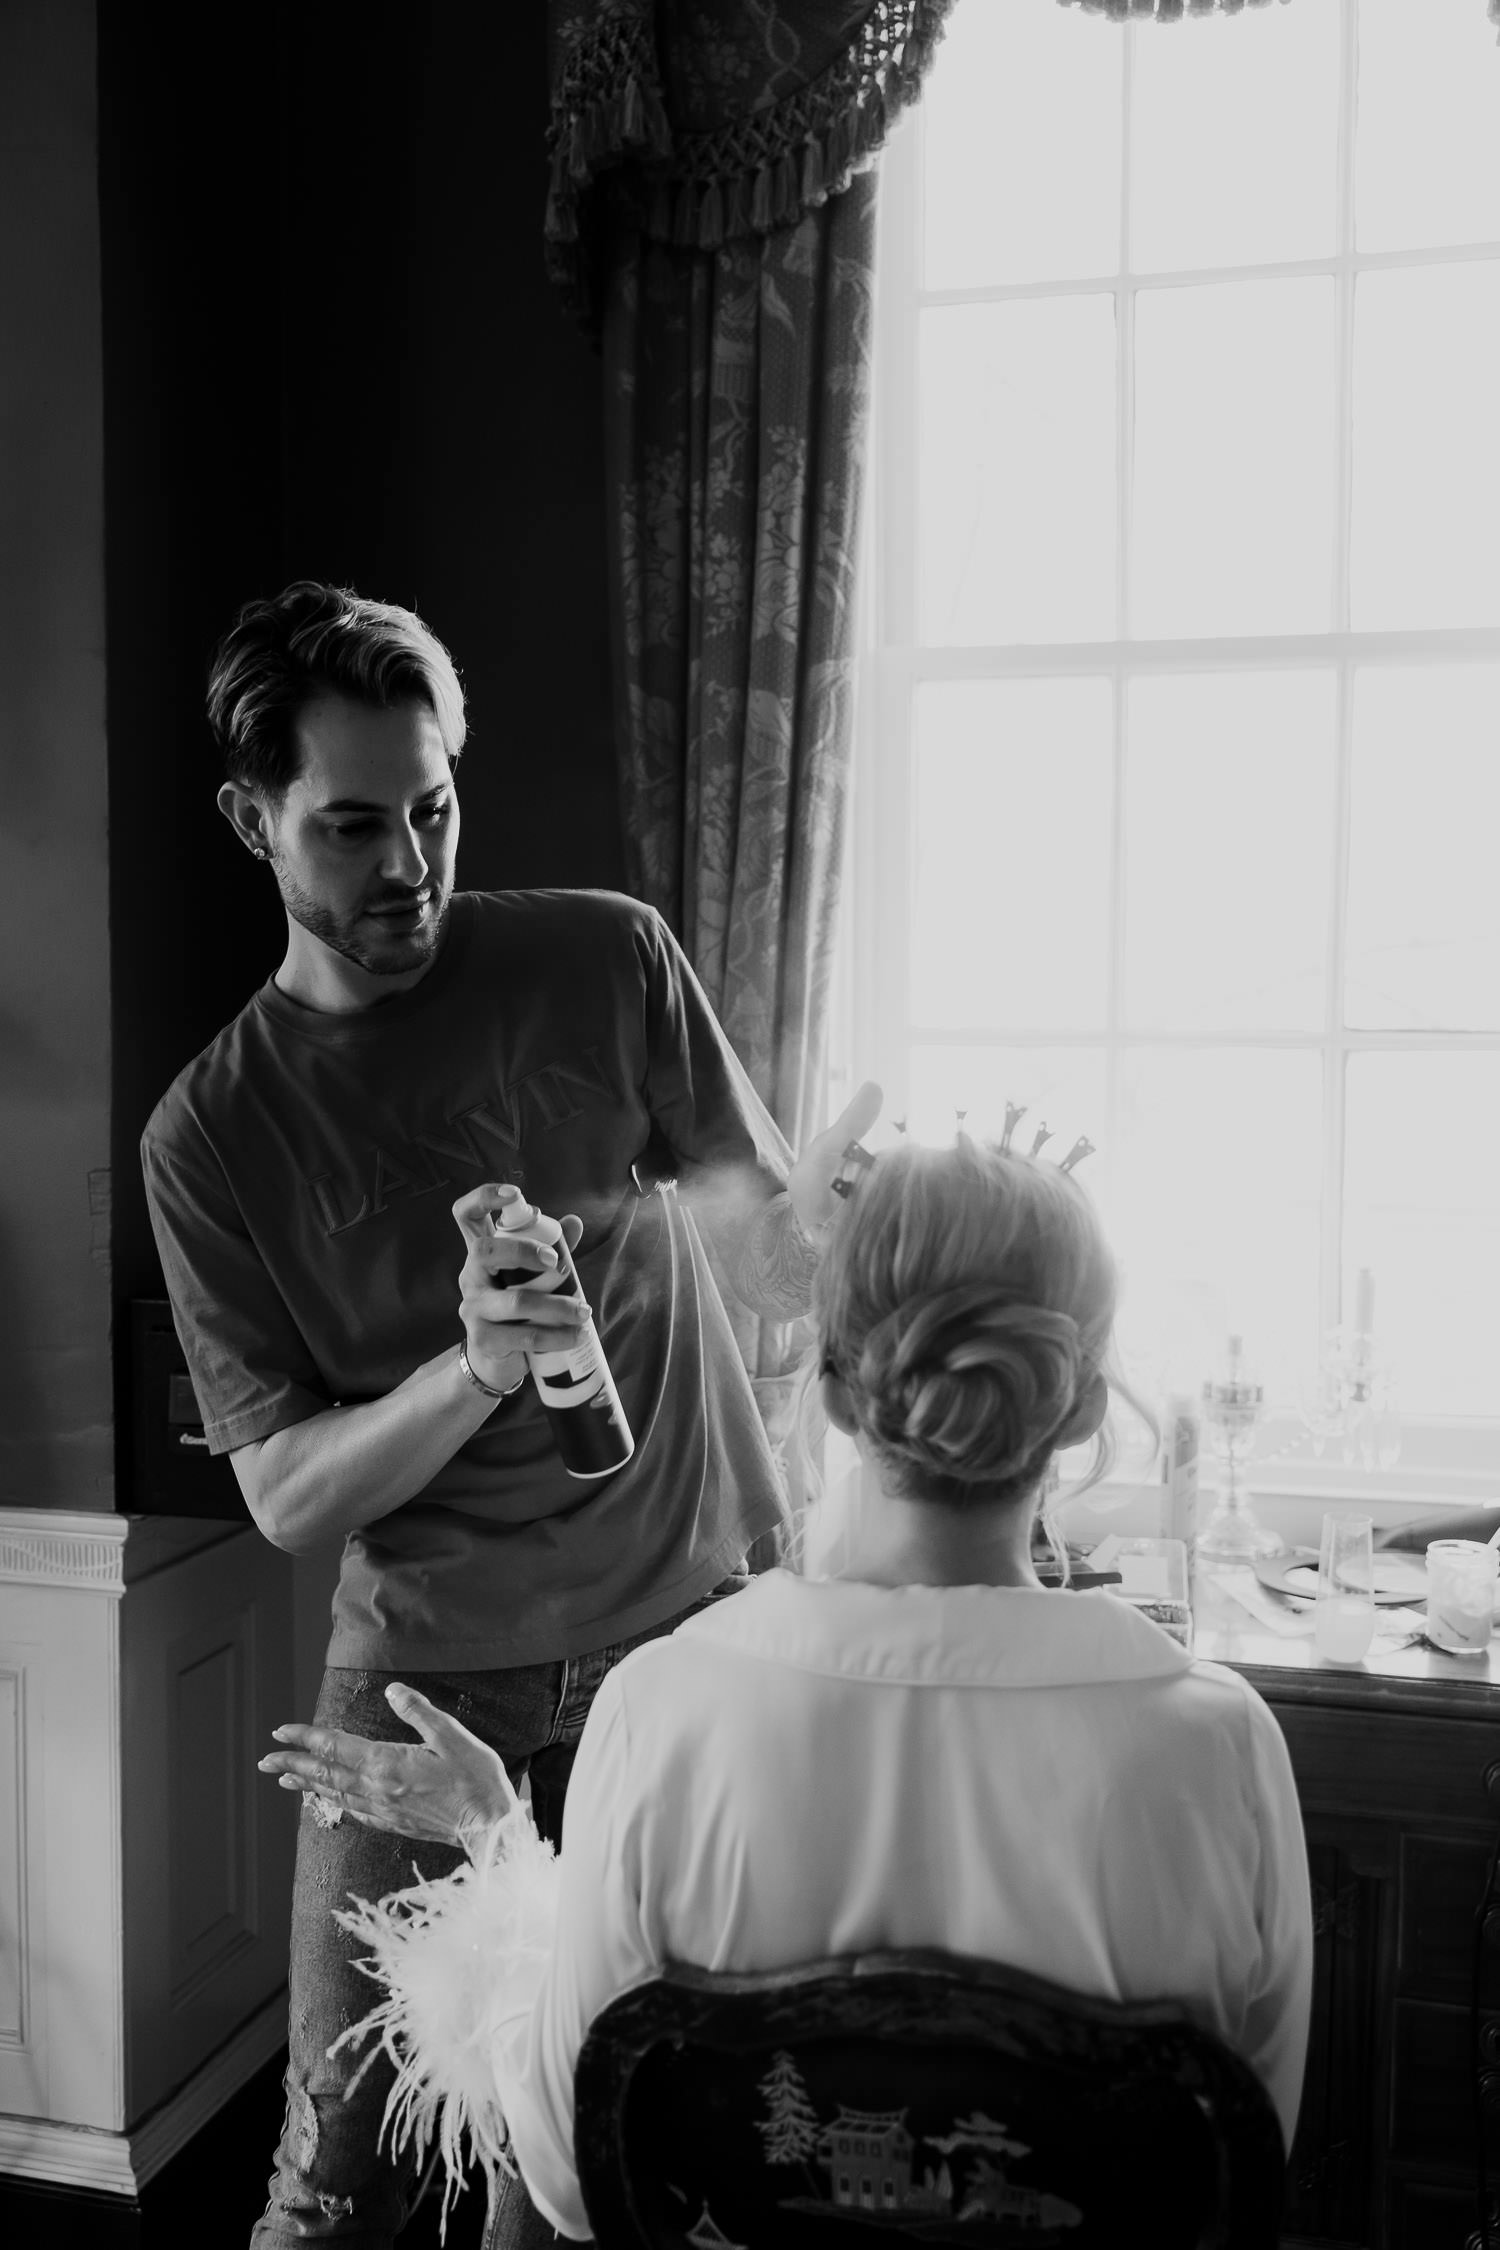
{"x": 484, "y": 1134}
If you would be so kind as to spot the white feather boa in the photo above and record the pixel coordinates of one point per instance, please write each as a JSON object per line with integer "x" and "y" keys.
{"x": 461, "y": 1961}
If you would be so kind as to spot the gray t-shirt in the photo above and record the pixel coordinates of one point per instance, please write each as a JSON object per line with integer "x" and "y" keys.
{"x": 301, "y": 1174}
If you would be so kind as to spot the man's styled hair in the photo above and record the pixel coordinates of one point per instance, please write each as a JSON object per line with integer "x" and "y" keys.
{"x": 312, "y": 640}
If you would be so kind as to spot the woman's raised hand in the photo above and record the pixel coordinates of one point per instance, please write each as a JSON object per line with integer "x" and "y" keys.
{"x": 448, "y": 1788}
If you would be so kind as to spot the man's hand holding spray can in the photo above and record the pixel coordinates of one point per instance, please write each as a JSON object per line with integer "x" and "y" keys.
{"x": 574, "y": 1384}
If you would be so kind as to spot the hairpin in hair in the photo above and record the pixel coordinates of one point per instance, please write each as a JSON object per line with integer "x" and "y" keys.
{"x": 1081, "y": 1148}
{"x": 861, "y": 1159}
{"x": 1014, "y": 1112}
{"x": 1041, "y": 1137}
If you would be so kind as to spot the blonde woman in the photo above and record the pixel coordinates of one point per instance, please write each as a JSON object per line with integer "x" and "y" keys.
{"x": 927, "y": 1748}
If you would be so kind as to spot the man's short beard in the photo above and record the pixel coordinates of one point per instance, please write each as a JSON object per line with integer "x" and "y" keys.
{"x": 342, "y": 937}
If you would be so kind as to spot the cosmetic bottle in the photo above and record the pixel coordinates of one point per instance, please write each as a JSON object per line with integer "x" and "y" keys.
{"x": 574, "y": 1384}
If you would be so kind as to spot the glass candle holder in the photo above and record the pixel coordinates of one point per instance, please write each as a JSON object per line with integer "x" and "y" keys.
{"x": 1460, "y": 1595}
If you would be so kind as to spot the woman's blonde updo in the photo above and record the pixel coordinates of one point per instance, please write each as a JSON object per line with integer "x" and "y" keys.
{"x": 965, "y": 1303}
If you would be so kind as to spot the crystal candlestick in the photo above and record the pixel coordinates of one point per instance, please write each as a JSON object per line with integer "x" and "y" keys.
{"x": 1233, "y": 1404}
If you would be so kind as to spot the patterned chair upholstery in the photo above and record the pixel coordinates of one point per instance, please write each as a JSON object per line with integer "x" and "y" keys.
{"x": 916, "y": 2097}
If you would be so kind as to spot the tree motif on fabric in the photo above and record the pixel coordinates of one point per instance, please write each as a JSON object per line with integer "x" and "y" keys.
{"x": 791, "y": 2132}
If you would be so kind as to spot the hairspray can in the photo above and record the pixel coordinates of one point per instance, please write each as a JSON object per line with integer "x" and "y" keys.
{"x": 574, "y": 1383}
{"x": 1179, "y": 1471}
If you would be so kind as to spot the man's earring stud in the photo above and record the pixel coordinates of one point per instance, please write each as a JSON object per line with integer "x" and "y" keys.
{"x": 257, "y": 851}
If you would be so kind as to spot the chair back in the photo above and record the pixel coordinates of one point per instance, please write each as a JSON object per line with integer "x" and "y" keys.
{"x": 916, "y": 2097}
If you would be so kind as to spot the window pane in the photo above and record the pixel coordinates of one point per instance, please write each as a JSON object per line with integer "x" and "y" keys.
{"x": 1428, "y": 168}
{"x": 1423, "y": 948}
{"x": 1021, "y": 173}
{"x": 1422, "y": 1211}
{"x": 1426, "y": 446}
{"x": 1210, "y": 104}
{"x": 1212, "y": 1205}
{"x": 1228, "y": 851}
{"x": 1062, "y": 1087}
{"x": 1013, "y": 801}
{"x": 1017, "y": 471}
{"x": 1233, "y": 459}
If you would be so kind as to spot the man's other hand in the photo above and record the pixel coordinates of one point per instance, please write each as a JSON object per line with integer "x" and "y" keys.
{"x": 810, "y": 1183}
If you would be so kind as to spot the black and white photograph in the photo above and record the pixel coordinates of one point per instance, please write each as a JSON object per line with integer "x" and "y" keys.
{"x": 750, "y": 1124}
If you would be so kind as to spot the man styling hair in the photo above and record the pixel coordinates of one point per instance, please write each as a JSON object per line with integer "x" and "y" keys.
{"x": 423, "y": 1056}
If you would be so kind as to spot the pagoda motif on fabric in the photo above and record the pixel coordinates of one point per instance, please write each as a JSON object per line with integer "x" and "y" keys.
{"x": 867, "y": 2165}
{"x": 706, "y": 2234}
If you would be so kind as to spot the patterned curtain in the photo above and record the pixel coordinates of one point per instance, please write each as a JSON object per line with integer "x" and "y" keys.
{"x": 712, "y": 219}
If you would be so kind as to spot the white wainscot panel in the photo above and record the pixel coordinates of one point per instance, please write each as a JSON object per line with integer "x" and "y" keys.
{"x": 209, "y": 1842}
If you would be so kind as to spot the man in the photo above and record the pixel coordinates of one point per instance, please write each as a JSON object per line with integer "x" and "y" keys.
{"x": 420, "y": 1057}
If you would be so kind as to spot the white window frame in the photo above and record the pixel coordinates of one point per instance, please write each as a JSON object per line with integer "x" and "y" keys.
{"x": 1450, "y": 1459}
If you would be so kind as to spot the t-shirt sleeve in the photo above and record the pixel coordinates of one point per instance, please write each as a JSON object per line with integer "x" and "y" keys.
{"x": 731, "y": 1158}
{"x": 601, "y": 1951}
{"x": 1280, "y": 2005}
{"x": 251, "y": 1370}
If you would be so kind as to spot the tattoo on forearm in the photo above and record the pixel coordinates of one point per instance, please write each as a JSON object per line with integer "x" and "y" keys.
{"x": 779, "y": 1261}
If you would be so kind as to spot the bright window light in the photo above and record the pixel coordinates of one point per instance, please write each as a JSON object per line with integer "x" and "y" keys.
{"x": 1179, "y": 782}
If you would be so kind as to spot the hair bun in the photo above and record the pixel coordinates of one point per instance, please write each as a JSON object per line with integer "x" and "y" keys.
{"x": 967, "y": 1383}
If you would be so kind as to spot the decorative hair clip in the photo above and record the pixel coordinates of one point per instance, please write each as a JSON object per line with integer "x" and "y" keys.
{"x": 861, "y": 1159}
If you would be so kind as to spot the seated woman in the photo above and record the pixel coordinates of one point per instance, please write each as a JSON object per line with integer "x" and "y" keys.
{"x": 927, "y": 1748}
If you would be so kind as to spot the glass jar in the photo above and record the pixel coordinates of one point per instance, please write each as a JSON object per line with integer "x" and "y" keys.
{"x": 1460, "y": 1595}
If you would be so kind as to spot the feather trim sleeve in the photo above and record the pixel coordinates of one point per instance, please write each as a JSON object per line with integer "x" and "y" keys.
{"x": 459, "y": 1962}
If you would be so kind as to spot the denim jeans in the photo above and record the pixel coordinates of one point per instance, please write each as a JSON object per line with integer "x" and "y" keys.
{"x": 330, "y": 2183}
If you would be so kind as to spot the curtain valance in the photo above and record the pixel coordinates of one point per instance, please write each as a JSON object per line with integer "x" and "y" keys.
{"x": 717, "y": 119}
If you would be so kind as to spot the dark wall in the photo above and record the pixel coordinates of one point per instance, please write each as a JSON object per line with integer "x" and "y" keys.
{"x": 330, "y": 349}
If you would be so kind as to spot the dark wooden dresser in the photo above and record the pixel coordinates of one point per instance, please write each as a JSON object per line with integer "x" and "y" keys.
{"x": 1398, "y": 1769}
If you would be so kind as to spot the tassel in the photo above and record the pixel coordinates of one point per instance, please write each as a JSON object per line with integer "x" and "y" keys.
{"x": 711, "y": 217}
{"x": 632, "y": 111}
{"x": 762, "y": 206}
{"x": 813, "y": 190}
{"x": 459, "y": 1960}
{"x": 786, "y": 191}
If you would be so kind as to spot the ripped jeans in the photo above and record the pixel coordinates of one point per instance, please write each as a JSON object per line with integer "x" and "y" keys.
{"x": 330, "y": 2184}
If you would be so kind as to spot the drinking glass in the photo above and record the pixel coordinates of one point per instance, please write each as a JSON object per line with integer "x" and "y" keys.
{"x": 1460, "y": 1595}
{"x": 1345, "y": 1624}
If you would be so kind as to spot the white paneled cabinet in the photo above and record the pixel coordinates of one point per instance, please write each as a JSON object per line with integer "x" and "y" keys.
{"x": 145, "y": 1866}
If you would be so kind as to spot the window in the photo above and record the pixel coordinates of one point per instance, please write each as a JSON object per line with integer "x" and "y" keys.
{"x": 1178, "y": 798}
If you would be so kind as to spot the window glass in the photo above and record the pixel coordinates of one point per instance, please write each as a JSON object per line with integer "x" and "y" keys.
{"x": 1013, "y": 823}
{"x": 1423, "y": 947}
{"x": 1021, "y": 119}
{"x": 1422, "y": 1211}
{"x": 1233, "y": 526}
{"x": 1213, "y": 1194}
{"x": 1228, "y": 850}
{"x": 1425, "y": 550}
{"x": 1428, "y": 143}
{"x": 1234, "y": 140}
{"x": 1017, "y": 471}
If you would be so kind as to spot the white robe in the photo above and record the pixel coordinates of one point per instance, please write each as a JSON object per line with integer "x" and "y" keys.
{"x": 817, "y": 1767}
